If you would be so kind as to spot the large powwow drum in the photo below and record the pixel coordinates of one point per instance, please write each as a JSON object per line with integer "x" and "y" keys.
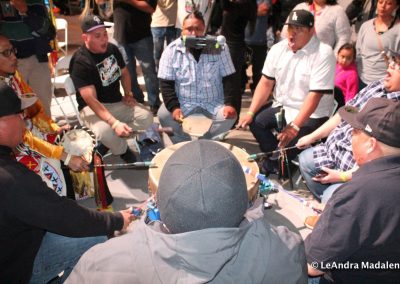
{"x": 161, "y": 158}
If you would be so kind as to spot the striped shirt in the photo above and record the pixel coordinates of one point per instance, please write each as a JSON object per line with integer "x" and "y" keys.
{"x": 197, "y": 84}
{"x": 336, "y": 152}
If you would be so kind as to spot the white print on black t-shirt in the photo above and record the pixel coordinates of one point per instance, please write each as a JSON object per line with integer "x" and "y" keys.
{"x": 109, "y": 70}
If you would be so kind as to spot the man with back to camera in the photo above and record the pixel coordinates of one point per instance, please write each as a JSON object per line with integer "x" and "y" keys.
{"x": 360, "y": 223}
{"x": 97, "y": 68}
{"x": 206, "y": 232}
{"x": 39, "y": 229}
{"x": 192, "y": 81}
{"x": 301, "y": 69}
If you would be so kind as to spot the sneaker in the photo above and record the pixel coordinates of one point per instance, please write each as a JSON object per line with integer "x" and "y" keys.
{"x": 269, "y": 167}
{"x": 154, "y": 110}
{"x": 128, "y": 156}
{"x": 102, "y": 149}
{"x": 311, "y": 221}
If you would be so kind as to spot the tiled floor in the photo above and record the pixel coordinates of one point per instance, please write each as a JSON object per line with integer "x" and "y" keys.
{"x": 130, "y": 186}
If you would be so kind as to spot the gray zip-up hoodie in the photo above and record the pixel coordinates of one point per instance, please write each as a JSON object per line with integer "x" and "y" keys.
{"x": 256, "y": 252}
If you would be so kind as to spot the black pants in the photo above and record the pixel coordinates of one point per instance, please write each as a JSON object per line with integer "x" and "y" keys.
{"x": 233, "y": 85}
{"x": 264, "y": 122}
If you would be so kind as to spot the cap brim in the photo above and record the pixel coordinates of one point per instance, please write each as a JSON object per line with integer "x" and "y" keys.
{"x": 349, "y": 114}
{"x": 27, "y": 100}
{"x": 97, "y": 27}
{"x": 297, "y": 24}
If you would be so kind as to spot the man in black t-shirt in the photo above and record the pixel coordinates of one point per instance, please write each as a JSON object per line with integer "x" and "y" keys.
{"x": 96, "y": 70}
{"x": 356, "y": 239}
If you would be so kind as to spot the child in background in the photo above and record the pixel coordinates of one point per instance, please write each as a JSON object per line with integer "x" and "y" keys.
{"x": 346, "y": 76}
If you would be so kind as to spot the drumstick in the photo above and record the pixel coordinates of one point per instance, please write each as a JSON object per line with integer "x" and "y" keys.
{"x": 167, "y": 130}
{"x": 221, "y": 136}
{"x": 135, "y": 164}
{"x": 266, "y": 154}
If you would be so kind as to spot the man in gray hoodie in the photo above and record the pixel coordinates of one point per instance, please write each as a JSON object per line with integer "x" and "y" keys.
{"x": 206, "y": 232}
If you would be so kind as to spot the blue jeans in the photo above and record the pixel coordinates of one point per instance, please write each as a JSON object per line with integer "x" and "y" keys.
{"x": 58, "y": 253}
{"x": 142, "y": 50}
{"x": 265, "y": 121}
{"x": 308, "y": 171}
{"x": 219, "y": 126}
{"x": 135, "y": 88}
{"x": 160, "y": 35}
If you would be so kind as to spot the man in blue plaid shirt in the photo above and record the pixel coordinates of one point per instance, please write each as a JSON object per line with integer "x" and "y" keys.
{"x": 326, "y": 166}
{"x": 191, "y": 81}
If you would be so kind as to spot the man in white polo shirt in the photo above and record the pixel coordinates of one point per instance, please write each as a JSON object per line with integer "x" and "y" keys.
{"x": 302, "y": 69}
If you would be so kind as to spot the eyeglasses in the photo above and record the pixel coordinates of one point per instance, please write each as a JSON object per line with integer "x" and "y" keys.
{"x": 9, "y": 52}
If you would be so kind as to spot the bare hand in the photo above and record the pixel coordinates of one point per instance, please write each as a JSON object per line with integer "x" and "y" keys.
{"x": 78, "y": 164}
{"x": 20, "y": 5}
{"x": 65, "y": 127}
{"x": 287, "y": 135}
{"x": 177, "y": 115}
{"x": 229, "y": 112}
{"x": 330, "y": 176}
{"x": 262, "y": 9}
{"x": 123, "y": 130}
{"x": 244, "y": 121}
{"x": 128, "y": 217}
{"x": 129, "y": 101}
{"x": 304, "y": 142}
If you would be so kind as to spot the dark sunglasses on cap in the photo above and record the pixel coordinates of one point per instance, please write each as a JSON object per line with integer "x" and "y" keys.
{"x": 9, "y": 52}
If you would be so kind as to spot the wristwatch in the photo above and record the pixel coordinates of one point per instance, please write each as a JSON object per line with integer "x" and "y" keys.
{"x": 294, "y": 126}
{"x": 129, "y": 94}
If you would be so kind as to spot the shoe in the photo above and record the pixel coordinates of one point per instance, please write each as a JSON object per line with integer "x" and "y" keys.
{"x": 154, "y": 110}
{"x": 102, "y": 149}
{"x": 311, "y": 221}
{"x": 128, "y": 156}
{"x": 269, "y": 167}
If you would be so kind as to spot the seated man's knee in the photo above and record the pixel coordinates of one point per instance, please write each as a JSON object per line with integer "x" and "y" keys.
{"x": 306, "y": 160}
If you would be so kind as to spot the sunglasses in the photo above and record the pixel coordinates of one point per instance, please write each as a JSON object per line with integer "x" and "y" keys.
{"x": 9, "y": 52}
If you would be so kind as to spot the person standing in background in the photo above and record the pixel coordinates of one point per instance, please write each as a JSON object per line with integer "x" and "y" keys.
{"x": 132, "y": 31}
{"x": 27, "y": 25}
{"x": 185, "y": 7}
{"x": 163, "y": 26}
{"x": 257, "y": 42}
{"x": 376, "y": 37}
{"x": 236, "y": 14}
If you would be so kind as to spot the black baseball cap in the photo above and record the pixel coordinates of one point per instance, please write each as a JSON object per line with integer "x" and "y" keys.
{"x": 379, "y": 118}
{"x": 11, "y": 103}
{"x": 91, "y": 23}
{"x": 300, "y": 18}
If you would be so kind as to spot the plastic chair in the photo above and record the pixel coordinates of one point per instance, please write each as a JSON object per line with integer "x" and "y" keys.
{"x": 62, "y": 24}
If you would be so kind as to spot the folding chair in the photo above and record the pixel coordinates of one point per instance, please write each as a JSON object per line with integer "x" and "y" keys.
{"x": 70, "y": 90}
{"x": 61, "y": 79}
{"x": 62, "y": 24}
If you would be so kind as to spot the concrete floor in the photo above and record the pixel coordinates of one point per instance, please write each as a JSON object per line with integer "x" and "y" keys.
{"x": 130, "y": 186}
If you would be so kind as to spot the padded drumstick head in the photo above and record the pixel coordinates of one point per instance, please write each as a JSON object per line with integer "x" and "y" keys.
{"x": 202, "y": 186}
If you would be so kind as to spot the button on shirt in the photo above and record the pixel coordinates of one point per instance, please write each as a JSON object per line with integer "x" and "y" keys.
{"x": 197, "y": 84}
{"x": 311, "y": 68}
{"x": 337, "y": 153}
